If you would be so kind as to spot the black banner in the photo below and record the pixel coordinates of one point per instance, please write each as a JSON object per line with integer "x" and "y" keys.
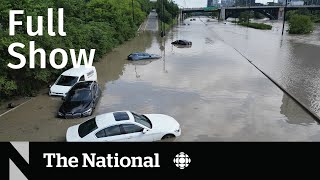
{"x": 165, "y": 160}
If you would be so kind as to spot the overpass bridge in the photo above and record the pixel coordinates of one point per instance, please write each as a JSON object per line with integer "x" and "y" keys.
{"x": 272, "y": 12}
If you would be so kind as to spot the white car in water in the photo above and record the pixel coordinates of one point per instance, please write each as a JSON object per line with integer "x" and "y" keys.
{"x": 124, "y": 126}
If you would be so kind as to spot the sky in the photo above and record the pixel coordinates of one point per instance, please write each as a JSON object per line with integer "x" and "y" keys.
{"x": 203, "y": 3}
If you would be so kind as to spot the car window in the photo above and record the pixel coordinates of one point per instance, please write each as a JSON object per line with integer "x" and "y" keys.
{"x": 131, "y": 128}
{"x": 109, "y": 131}
{"x": 94, "y": 90}
{"x": 67, "y": 80}
{"x": 141, "y": 119}
{"x": 79, "y": 95}
{"x": 87, "y": 127}
{"x": 82, "y": 78}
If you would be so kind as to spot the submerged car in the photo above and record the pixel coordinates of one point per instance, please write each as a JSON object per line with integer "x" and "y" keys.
{"x": 70, "y": 77}
{"x": 182, "y": 42}
{"x": 125, "y": 126}
{"x": 141, "y": 56}
{"x": 182, "y": 46}
{"x": 80, "y": 101}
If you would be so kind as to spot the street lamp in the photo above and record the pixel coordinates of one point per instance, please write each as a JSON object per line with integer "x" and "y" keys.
{"x": 132, "y": 11}
{"x": 284, "y": 16}
{"x": 163, "y": 33}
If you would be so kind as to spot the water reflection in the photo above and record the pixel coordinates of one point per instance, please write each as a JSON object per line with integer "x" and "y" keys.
{"x": 294, "y": 113}
{"x": 292, "y": 60}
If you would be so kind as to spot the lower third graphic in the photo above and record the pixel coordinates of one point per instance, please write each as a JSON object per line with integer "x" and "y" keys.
{"x": 182, "y": 160}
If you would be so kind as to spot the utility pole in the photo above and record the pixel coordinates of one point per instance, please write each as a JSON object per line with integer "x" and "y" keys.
{"x": 249, "y": 13}
{"x": 284, "y": 16}
{"x": 163, "y": 33}
{"x": 132, "y": 11}
{"x": 164, "y": 25}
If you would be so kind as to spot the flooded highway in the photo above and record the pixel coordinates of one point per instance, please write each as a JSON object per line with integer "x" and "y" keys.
{"x": 209, "y": 88}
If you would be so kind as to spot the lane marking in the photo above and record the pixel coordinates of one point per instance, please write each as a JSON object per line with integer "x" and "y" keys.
{"x": 15, "y": 107}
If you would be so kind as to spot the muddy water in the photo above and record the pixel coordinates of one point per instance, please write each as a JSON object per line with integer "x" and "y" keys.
{"x": 292, "y": 60}
{"x": 214, "y": 93}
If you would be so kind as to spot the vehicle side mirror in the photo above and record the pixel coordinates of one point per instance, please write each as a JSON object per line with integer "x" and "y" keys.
{"x": 50, "y": 86}
{"x": 145, "y": 131}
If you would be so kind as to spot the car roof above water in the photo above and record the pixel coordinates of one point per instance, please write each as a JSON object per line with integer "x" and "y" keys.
{"x": 138, "y": 53}
{"x": 78, "y": 71}
{"x": 107, "y": 119}
{"x": 83, "y": 85}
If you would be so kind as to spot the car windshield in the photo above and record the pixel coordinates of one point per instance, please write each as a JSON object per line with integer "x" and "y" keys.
{"x": 79, "y": 95}
{"x": 142, "y": 119}
{"x": 67, "y": 80}
{"x": 87, "y": 127}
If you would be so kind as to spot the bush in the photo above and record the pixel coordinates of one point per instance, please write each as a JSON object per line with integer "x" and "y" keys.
{"x": 256, "y": 25}
{"x": 300, "y": 24}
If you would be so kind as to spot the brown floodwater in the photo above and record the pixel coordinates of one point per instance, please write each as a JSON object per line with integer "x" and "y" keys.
{"x": 209, "y": 88}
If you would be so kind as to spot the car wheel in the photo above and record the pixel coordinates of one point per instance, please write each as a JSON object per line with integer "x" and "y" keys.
{"x": 167, "y": 136}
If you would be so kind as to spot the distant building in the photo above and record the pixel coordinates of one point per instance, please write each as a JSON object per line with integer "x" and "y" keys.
{"x": 212, "y": 3}
{"x": 273, "y": 4}
{"x": 227, "y": 3}
{"x": 295, "y": 2}
{"x": 245, "y": 2}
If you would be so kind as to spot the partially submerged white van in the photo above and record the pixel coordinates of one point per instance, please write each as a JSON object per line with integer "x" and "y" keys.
{"x": 68, "y": 78}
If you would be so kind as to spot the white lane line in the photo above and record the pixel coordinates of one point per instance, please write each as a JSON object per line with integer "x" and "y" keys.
{"x": 14, "y": 108}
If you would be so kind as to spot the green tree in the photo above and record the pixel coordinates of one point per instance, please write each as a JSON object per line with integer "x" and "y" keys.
{"x": 300, "y": 24}
{"x": 244, "y": 16}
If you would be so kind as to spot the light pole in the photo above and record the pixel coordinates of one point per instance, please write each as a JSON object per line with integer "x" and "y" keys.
{"x": 163, "y": 33}
{"x": 284, "y": 16}
{"x": 249, "y": 13}
{"x": 132, "y": 11}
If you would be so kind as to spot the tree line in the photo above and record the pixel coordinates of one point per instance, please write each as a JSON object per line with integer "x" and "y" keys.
{"x": 302, "y": 21}
{"x": 167, "y": 11}
{"x": 89, "y": 24}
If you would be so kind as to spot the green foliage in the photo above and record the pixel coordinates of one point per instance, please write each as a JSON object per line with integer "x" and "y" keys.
{"x": 244, "y": 20}
{"x": 256, "y": 25}
{"x": 244, "y": 16}
{"x": 258, "y": 15}
{"x": 89, "y": 24}
{"x": 171, "y": 11}
{"x": 215, "y": 14}
{"x": 300, "y": 24}
{"x": 314, "y": 15}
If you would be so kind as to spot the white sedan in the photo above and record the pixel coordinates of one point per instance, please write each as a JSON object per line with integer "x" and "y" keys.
{"x": 125, "y": 126}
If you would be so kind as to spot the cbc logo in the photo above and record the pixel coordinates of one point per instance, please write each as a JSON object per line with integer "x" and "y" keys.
{"x": 182, "y": 160}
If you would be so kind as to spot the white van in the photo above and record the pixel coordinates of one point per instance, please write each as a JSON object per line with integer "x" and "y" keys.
{"x": 68, "y": 78}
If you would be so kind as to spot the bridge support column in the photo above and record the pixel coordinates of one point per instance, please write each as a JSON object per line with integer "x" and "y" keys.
{"x": 222, "y": 15}
{"x": 281, "y": 13}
